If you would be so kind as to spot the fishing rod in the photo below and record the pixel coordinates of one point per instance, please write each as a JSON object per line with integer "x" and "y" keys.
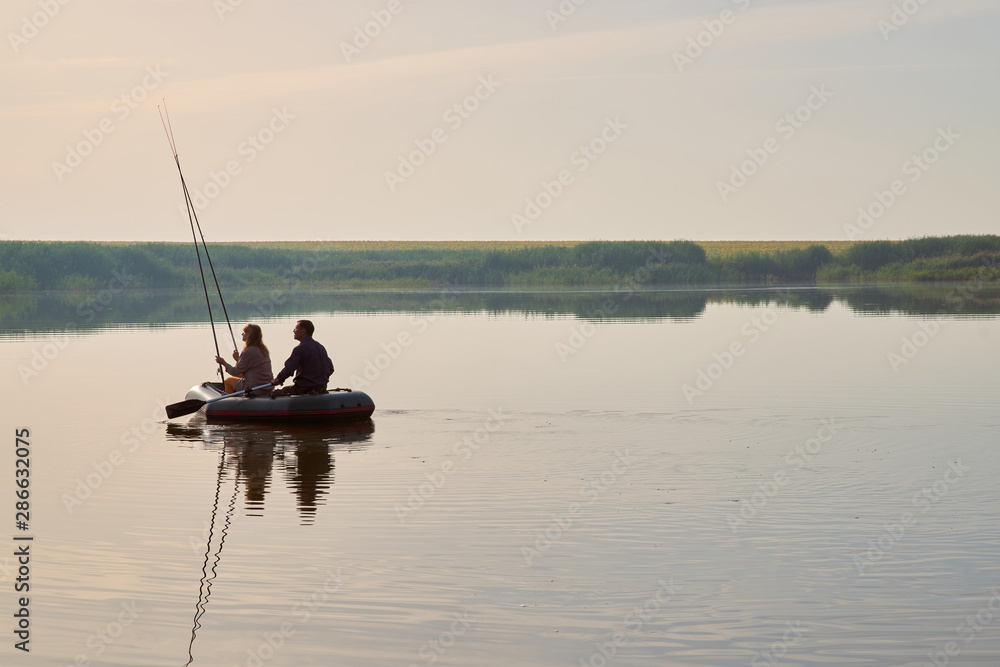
{"x": 193, "y": 214}
{"x": 193, "y": 221}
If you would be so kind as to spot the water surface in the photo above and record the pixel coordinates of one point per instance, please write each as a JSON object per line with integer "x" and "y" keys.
{"x": 726, "y": 477}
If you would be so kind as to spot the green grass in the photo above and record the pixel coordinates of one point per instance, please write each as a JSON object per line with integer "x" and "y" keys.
{"x": 89, "y": 266}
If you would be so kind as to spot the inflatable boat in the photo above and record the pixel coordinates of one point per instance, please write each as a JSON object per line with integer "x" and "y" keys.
{"x": 334, "y": 406}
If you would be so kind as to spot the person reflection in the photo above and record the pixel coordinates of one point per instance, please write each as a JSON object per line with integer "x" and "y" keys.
{"x": 310, "y": 471}
{"x": 255, "y": 461}
{"x": 305, "y": 457}
{"x": 310, "y": 476}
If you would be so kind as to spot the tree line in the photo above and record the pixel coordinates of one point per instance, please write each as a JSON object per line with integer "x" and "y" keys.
{"x": 44, "y": 265}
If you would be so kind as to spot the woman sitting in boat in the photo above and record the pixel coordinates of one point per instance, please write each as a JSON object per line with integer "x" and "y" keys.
{"x": 253, "y": 365}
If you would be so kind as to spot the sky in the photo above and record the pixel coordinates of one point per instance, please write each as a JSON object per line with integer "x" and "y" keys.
{"x": 519, "y": 120}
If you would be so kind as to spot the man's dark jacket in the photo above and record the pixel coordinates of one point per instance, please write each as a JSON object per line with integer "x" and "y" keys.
{"x": 310, "y": 363}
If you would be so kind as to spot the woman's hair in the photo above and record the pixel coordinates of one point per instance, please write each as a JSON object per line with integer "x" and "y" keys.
{"x": 255, "y": 337}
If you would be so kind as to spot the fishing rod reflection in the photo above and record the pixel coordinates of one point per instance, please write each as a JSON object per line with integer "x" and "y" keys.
{"x": 263, "y": 458}
{"x": 303, "y": 455}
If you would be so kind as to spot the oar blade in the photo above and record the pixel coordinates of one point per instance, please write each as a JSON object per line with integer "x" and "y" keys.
{"x": 184, "y": 408}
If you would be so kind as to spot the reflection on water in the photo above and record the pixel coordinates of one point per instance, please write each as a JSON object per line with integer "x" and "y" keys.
{"x": 222, "y": 535}
{"x": 248, "y": 456}
{"x": 301, "y": 455}
{"x": 210, "y": 571}
{"x": 57, "y": 312}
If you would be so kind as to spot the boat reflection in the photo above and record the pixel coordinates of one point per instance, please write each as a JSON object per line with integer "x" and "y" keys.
{"x": 301, "y": 457}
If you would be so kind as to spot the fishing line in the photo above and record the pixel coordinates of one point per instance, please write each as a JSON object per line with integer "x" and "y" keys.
{"x": 205, "y": 588}
{"x": 212, "y": 269}
{"x": 193, "y": 220}
{"x": 194, "y": 213}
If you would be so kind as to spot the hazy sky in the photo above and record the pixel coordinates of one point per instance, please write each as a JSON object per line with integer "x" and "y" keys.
{"x": 509, "y": 119}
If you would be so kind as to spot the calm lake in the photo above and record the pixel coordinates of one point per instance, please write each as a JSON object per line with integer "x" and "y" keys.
{"x": 723, "y": 477}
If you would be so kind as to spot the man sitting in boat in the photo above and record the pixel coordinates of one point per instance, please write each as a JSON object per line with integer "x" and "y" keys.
{"x": 253, "y": 365}
{"x": 310, "y": 363}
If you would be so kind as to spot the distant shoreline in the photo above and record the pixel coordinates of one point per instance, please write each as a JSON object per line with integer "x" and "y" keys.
{"x": 86, "y": 265}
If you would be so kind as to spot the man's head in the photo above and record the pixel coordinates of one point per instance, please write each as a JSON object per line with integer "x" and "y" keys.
{"x": 303, "y": 328}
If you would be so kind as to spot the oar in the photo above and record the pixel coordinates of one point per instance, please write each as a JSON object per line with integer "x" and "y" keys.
{"x": 195, "y": 404}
